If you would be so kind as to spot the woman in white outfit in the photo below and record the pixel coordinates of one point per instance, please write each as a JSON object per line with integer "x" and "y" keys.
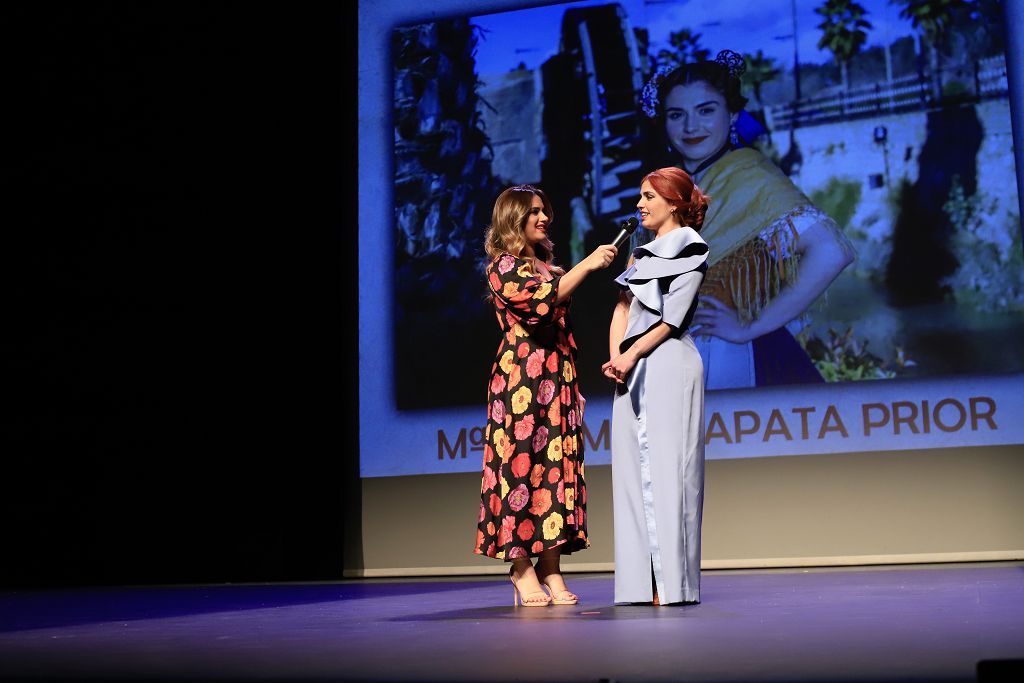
{"x": 658, "y": 412}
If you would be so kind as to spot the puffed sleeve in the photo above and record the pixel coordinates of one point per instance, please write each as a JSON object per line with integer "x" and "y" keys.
{"x": 664, "y": 281}
{"x": 520, "y": 292}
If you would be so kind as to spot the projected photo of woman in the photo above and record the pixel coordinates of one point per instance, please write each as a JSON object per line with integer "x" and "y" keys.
{"x": 658, "y": 411}
{"x": 773, "y": 252}
{"x": 533, "y": 493}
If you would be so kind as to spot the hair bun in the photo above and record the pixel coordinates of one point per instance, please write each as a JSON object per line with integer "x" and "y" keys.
{"x": 696, "y": 209}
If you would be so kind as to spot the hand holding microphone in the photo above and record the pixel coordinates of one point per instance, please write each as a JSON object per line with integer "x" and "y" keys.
{"x": 627, "y": 228}
{"x": 603, "y": 256}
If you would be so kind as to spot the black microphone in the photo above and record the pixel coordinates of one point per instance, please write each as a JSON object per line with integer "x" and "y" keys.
{"x": 628, "y": 227}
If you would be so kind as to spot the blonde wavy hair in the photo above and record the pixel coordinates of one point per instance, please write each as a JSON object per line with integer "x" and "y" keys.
{"x": 508, "y": 220}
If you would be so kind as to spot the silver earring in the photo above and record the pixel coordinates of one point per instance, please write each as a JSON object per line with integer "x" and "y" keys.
{"x": 734, "y": 137}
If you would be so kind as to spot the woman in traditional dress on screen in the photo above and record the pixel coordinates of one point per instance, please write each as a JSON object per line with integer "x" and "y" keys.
{"x": 533, "y": 495}
{"x": 658, "y": 411}
{"x": 773, "y": 252}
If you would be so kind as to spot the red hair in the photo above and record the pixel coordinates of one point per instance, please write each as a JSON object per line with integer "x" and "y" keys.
{"x": 677, "y": 187}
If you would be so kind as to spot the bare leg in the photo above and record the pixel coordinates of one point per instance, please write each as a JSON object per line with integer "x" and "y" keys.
{"x": 550, "y": 574}
{"x": 524, "y": 578}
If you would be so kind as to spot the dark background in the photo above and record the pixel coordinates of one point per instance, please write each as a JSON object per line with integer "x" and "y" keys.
{"x": 179, "y": 314}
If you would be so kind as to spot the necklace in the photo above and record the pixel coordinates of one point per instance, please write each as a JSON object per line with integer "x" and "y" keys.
{"x": 702, "y": 166}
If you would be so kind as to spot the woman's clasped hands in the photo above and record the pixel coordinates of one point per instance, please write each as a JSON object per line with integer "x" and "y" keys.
{"x": 619, "y": 367}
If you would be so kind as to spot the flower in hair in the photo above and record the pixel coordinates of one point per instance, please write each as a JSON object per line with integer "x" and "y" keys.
{"x": 649, "y": 97}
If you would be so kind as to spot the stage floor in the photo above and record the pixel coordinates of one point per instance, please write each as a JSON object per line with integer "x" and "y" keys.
{"x": 922, "y": 623}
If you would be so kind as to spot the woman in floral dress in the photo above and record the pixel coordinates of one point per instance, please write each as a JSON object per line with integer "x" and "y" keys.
{"x": 533, "y": 495}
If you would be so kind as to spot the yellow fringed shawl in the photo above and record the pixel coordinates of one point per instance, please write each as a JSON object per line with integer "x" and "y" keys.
{"x": 749, "y": 228}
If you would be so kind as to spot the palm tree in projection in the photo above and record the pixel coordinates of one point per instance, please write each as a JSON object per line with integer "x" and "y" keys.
{"x": 760, "y": 69}
{"x": 843, "y": 33}
{"x": 686, "y": 48}
{"x": 932, "y": 19}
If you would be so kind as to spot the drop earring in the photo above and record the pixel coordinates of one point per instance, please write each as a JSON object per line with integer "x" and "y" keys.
{"x": 734, "y": 138}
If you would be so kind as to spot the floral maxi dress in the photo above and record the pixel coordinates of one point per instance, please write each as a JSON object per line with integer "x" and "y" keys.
{"x": 533, "y": 496}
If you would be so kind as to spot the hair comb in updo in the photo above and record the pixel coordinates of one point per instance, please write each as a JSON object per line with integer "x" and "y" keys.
{"x": 733, "y": 61}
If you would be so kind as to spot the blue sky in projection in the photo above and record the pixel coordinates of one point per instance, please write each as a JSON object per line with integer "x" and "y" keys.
{"x": 531, "y": 36}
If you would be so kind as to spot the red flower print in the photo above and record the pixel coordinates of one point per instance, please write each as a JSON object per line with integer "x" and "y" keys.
{"x": 535, "y": 364}
{"x": 546, "y": 391}
{"x": 555, "y": 413}
{"x": 540, "y": 439}
{"x": 505, "y": 263}
{"x": 514, "y": 376}
{"x": 489, "y": 480}
{"x": 518, "y": 497}
{"x": 540, "y": 502}
{"x": 536, "y": 475}
{"x": 520, "y": 465}
{"x": 529, "y": 437}
{"x": 508, "y": 526}
{"x": 524, "y": 428}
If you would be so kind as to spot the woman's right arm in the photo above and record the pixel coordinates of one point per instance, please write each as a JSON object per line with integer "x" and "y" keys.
{"x": 617, "y": 329}
{"x": 616, "y": 332}
{"x": 600, "y": 258}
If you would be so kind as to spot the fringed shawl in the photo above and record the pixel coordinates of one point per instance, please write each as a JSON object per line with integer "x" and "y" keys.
{"x": 752, "y": 222}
